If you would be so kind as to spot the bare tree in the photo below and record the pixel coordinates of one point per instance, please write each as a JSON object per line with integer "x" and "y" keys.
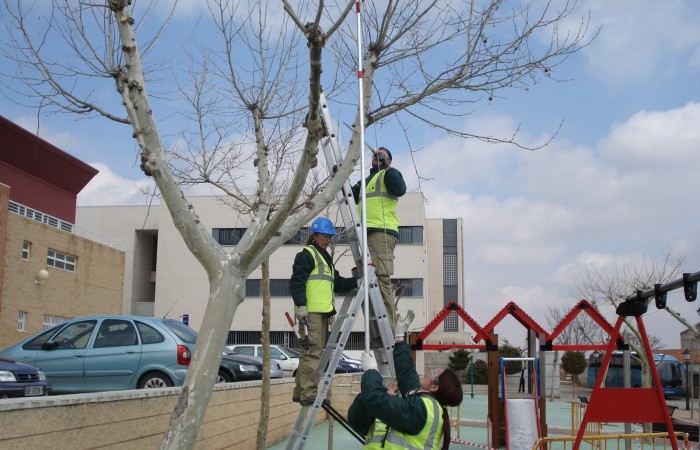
{"x": 429, "y": 62}
{"x": 582, "y": 330}
{"x": 612, "y": 286}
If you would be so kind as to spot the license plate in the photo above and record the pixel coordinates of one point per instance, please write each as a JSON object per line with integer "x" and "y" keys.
{"x": 33, "y": 390}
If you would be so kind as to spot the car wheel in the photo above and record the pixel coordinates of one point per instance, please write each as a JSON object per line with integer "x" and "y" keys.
{"x": 155, "y": 380}
{"x": 294, "y": 374}
{"x": 224, "y": 377}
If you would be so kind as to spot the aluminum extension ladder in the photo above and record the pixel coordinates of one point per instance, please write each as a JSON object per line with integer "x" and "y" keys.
{"x": 381, "y": 335}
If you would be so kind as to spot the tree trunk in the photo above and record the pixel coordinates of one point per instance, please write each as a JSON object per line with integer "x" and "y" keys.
{"x": 261, "y": 441}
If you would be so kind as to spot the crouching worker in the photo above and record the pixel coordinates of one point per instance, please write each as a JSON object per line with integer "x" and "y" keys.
{"x": 415, "y": 419}
{"x": 313, "y": 282}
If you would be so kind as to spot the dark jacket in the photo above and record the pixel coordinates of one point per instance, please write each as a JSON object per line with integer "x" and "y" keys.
{"x": 406, "y": 414}
{"x": 395, "y": 185}
{"x": 303, "y": 265}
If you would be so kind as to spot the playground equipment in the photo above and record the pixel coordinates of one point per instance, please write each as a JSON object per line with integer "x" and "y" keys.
{"x": 621, "y": 405}
{"x": 521, "y": 413}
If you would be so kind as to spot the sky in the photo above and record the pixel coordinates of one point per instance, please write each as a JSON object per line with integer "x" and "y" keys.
{"x": 619, "y": 182}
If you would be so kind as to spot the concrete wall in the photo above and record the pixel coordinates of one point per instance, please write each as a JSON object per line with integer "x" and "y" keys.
{"x": 137, "y": 419}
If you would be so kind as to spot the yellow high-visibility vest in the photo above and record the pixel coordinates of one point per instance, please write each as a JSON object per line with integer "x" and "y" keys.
{"x": 319, "y": 286}
{"x": 430, "y": 437}
{"x": 381, "y": 206}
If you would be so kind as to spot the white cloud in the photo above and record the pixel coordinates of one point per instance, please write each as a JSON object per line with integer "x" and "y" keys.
{"x": 533, "y": 221}
{"x": 108, "y": 188}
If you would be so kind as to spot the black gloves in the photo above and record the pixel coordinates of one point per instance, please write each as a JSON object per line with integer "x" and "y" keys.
{"x": 382, "y": 161}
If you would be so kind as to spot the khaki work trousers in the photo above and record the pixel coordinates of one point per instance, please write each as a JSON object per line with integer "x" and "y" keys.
{"x": 381, "y": 247}
{"x": 306, "y": 387}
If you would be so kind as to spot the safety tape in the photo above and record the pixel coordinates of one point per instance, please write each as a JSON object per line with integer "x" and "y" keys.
{"x": 471, "y": 444}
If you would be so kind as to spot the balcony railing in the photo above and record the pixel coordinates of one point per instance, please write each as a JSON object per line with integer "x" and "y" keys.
{"x": 62, "y": 225}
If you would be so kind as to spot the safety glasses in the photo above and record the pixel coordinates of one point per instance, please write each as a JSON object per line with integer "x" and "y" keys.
{"x": 435, "y": 376}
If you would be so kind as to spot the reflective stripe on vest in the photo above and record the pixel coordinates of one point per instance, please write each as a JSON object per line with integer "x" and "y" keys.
{"x": 319, "y": 285}
{"x": 429, "y": 437}
{"x": 381, "y": 206}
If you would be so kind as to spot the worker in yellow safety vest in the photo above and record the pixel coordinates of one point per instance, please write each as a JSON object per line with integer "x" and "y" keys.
{"x": 383, "y": 187}
{"x": 313, "y": 282}
{"x": 412, "y": 412}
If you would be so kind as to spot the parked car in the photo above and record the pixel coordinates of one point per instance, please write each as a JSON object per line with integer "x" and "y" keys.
{"x": 110, "y": 352}
{"x": 18, "y": 379}
{"x": 242, "y": 367}
{"x": 354, "y": 363}
{"x": 239, "y": 368}
{"x": 287, "y": 358}
{"x": 349, "y": 366}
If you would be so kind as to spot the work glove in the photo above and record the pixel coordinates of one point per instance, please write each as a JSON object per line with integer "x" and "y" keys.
{"x": 402, "y": 324}
{"x": 382, "y": 162}
{"x": 301, "y": 313}
{"x": 368, "y": 362}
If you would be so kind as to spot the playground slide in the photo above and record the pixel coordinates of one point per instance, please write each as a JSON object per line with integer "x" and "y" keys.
{"x": 522, "y": 430}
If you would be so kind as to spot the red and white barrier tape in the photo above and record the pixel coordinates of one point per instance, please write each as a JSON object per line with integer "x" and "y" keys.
{"x": 471, "y": 444}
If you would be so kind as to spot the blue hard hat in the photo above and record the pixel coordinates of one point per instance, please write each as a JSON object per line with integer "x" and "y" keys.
{"x": 322, "y": 225}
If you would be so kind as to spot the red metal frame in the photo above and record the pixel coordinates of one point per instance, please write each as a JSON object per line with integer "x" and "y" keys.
{"x": 581, "y": 307}
{"x": 521, "y": 316}
{"x": 627, "y": 405}
{"x": 439, "y": 318}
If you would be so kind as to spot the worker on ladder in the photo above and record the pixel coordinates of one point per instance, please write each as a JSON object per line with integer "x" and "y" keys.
{"x": 413, "y": 417}
{"x": 384, "y": 186}
{"x": 313, "y": 282}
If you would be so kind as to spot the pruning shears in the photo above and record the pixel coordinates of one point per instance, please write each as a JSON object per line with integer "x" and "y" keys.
{"x": 304, "y": 341}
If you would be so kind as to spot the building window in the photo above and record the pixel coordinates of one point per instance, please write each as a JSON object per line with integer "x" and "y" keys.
{"x": 26, "y": 246}
{"x": 253, "y": 288}
{"x": 451, "y": 323}
{"x": 280, "y": 288}
{"x": 52, "y": 321}
{"x": 299, "y": 238}
{"x": 228, "y": 236}
{"x": 21, "y": 321}
{"x": 408, "y": 287}
{"x": 450, "y": 269}
{"x": 232, "y": 236}
{"x": 61, "y": 261}
{"x": 410, "y": 235}
{"x": 340, "y": 238}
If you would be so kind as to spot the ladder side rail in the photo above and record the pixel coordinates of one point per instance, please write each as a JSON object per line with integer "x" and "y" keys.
{"x": 297, "y": 438}
{"x": 339, "y": 324}
{"x": 378, "y": 322}
{"x": 348, "y": 208}
{"x": 348, "y": 211}
{"x": 310, "y": 415}
{"x": 380, "y": 326}
{"x": 334, "y": 157}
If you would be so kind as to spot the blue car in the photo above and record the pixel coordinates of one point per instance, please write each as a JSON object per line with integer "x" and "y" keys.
{"x": 110, "y": 352}
{"x": 18, "y": 379}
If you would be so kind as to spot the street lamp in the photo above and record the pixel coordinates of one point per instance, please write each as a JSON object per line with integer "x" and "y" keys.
{"x": 686, "y": 357}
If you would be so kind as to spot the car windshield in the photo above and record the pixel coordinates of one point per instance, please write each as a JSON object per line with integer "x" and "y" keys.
{"x": 294, "y": 353}
{"x": 182, "y": 331}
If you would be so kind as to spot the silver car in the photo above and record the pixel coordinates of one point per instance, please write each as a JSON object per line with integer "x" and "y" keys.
{"x": 287, "y": 358}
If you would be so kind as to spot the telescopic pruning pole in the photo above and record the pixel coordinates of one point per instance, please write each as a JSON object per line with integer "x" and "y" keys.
{"x": 360, "y": 75}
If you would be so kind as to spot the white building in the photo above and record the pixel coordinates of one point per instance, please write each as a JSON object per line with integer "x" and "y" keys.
{"x": 162, "y": 278}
